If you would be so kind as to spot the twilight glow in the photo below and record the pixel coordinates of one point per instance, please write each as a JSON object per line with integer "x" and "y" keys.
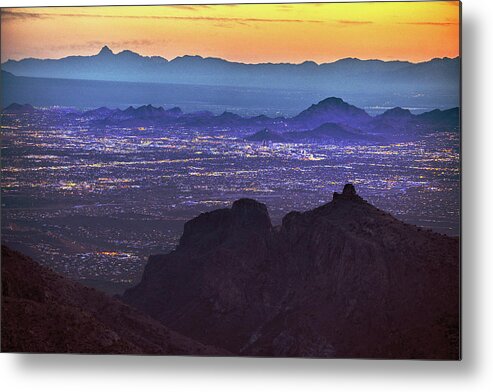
{"x": 414, "y": 31}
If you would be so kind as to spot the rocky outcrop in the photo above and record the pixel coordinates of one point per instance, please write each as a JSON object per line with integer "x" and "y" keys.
{"x": 246, "y": 218}
{"x": 343, "y": 280}
{"x": 43, "y": 312}
{"x": 348, "y": 193}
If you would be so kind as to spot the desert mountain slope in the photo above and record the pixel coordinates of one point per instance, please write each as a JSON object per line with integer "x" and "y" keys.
{"x": 44, "y": 312}
{"x": 343, "y": 280}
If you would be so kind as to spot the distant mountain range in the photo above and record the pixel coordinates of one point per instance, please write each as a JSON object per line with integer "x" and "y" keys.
{"x": 195, "y": 83}
{"x": 348, "y": 73}
{"x": 343, "y": 280}
{"x": 329, "y": 119}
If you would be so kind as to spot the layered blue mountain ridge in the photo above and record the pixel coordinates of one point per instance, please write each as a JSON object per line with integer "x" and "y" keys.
{"x": 109, "y": 78}
{"x": 327, "y": 120}
{"x": 132, "y": 67}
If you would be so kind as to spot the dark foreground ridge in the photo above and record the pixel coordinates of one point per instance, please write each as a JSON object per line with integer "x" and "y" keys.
{"x": 343, "y": 280}
{"x": 43, "y": 312}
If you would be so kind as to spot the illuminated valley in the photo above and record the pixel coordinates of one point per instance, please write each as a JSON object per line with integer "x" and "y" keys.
{"x": 93, "y": 202}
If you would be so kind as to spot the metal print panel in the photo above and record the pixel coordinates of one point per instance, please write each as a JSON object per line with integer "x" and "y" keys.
{"x": 278, "y": 180}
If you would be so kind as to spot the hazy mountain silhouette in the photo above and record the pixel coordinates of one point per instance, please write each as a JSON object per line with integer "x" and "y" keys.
{"x": 267, "y": 136}
{"x": 396, "y": 113}
{"x": 331, "y": 110}
{"x": 347, "y": 73}
{"x": 442, "y": 119}
{"x": 329, "y": 132}
{"x": 16, "y": 108}
{"x": 329, "y": 119}
{"x": 44, "y": 312}
{"x": 398, "y": 121}
{"x": 343, "y": 280}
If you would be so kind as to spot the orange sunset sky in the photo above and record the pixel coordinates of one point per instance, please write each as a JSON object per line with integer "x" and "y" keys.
{"x": 414, "y": 31}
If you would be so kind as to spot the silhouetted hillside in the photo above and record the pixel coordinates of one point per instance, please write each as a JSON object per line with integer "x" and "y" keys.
{"x": 43, "y": 312}
{"x": 343, "y": 280}
{"x": 267, "y": 136}
{"x": 331, "y": 110}
{"x": 16, "y": 108}
{"x": 328, "y": 132}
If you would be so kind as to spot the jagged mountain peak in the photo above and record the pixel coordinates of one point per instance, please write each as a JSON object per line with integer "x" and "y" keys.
{"x": 348, "y": 193}
{"x": 105, "y": 51}
{"x": 346, "y": 210}
{"x": 344, "y": 279}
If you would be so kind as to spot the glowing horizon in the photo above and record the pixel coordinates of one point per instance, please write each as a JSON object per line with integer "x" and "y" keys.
{"x": 247, "y": 33}
{"x": 115, "y": 52}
